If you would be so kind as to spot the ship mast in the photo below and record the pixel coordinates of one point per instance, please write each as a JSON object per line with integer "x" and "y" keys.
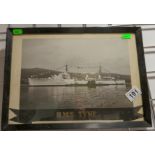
{"x": 66, "y": 67}
{"x": 100, "y": 70}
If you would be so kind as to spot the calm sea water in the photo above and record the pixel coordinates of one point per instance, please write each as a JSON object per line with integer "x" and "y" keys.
{"x": 73, "y": 97}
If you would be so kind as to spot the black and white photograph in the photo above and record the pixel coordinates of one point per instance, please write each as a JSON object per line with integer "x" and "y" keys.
{"x": 76, "y": 79}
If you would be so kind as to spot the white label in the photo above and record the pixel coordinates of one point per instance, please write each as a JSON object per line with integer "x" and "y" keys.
{"x": 133, "y": 93}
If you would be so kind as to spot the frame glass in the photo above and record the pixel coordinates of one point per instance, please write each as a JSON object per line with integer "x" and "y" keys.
{"x": 75, "y": 79}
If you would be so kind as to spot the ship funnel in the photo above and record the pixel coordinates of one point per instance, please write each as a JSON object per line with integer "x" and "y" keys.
{"x": 86, "y": 78}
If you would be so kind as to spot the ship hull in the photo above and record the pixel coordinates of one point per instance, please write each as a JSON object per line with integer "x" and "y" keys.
{"x": 50, "y": 82}
{"x": 81, "y": 82}
{"x": 71, "y": 82}
{"x": 110, "y": 82}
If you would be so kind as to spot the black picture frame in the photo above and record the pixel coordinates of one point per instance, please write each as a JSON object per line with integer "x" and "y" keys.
{"x": 78, "y": 126}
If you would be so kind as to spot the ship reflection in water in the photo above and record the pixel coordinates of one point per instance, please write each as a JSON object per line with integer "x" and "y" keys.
{"x": 63, "y": 97}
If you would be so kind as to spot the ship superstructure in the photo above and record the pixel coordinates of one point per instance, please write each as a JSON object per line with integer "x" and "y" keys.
{"x": 64, "y": 79}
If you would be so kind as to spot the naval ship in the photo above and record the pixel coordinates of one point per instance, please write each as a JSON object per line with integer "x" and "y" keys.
{"x": 64, "y": 79}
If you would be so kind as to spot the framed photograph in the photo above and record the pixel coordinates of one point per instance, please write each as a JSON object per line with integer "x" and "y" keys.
{"x": 75, "y": 79}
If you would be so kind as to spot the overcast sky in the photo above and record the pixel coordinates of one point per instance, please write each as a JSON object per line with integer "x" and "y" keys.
{"x": 111, "y": 54}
